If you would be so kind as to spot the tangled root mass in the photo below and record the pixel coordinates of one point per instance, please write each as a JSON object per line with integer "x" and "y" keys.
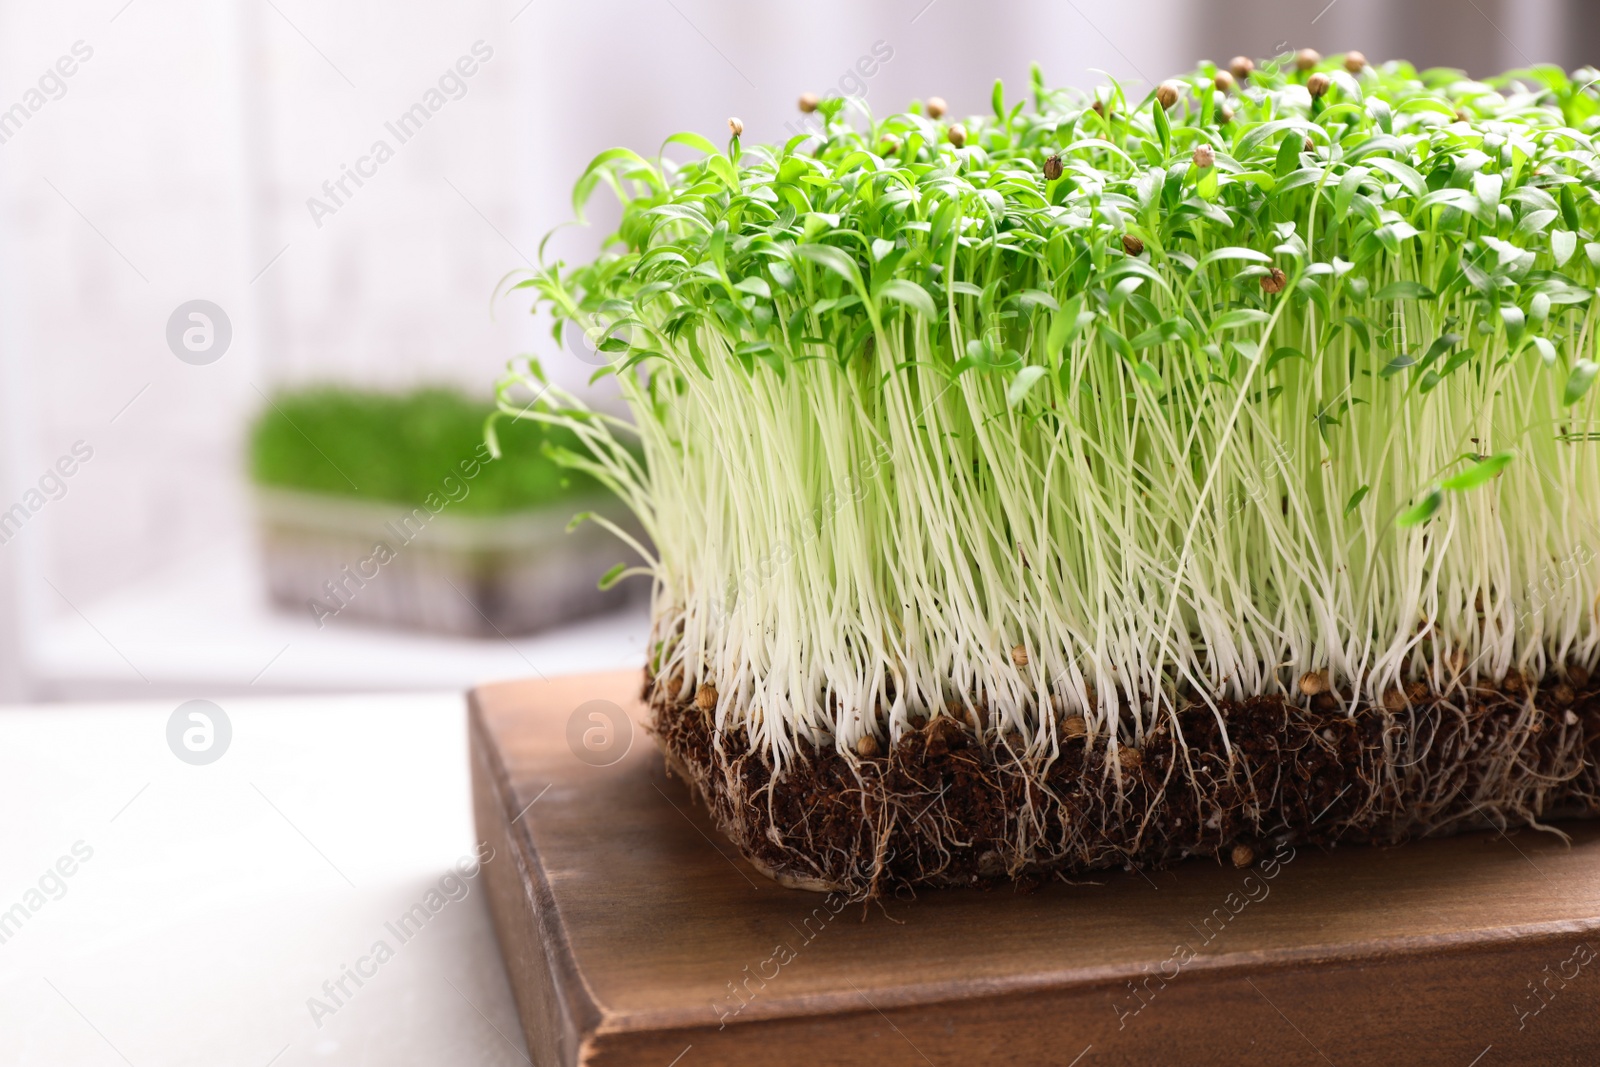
{"x": 946, "y": 805}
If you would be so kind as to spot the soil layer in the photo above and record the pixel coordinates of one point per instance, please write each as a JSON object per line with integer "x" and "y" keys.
{"x": 947, "y": 804}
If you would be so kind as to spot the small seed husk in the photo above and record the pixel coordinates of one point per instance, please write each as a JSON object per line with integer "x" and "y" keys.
{"x": 1241, "y": 67}
{"x": 1224, "y": 82}
{"x": 1019, "y": 655}
{"x": 1307, "y": 58}
{"x": 867, "y": 747}
{"x": 809, "y": 102}
{"x": 1132, "y": 245}
{"x": 705, "y": 698}
{"x": 1243, "y": 855}
{"x": 1166, "y": 94}
{"x": 736, "y": 127}
{"x": 1274, "y": 281}
{"x": 1318, "y": 85}
{"x": 1052, "y": 168}
{"x": 1204, "y": 156}
{"x": 936, "y": 107}
{"x": 1355, "y": 62}
{"x": 1074, "y": 726}
{"x": 957, "y": 135}
{"x": 1314, "y": 683}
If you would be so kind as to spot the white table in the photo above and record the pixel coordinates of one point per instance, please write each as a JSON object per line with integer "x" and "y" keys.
{"x": 218, "y": 899}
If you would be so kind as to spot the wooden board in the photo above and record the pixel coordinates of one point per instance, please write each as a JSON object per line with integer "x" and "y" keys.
{"x": 634, "y": 935}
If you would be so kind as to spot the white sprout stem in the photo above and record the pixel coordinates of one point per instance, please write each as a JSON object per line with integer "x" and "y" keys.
{"x": 837, "y": 558}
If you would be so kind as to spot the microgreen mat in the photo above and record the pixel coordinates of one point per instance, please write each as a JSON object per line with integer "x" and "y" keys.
{"x": 424, "y": 446}
{"x": 1088, "y": 401}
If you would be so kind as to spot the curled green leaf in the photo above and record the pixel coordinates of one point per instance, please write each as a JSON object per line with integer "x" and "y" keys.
{"x": 1579, "y": 380}
{"x": 1480, "y": 473}
{"x": 1422, "y": 510}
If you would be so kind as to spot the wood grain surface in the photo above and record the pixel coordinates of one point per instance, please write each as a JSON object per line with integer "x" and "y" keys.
{"x": 634, "y": 935}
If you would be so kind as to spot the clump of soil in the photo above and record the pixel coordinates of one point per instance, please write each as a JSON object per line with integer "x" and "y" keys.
{"x": 946, "y": 805}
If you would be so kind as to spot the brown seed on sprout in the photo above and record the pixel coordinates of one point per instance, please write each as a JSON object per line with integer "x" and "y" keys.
{"x": 867, "y": 747}
{"x": 1311, "y": 146}
{"x": 1224, "y": 115}
{"x": 1241, "y": 67}
{"x": 891, "y": 145}
{"x": 1563, "y": 694}
{"x": 1166, "y": 94}
{"x": 1074, "y": 726}
{"x": 1019, "y": 655}
{"x": 1313, "y": 683}
{"x": 705, "y": 698}
{"x": 957, "y": 135}
{"x": 735, "y": 127}
{"x": 1223, "y": 82}
{"x": 1204, "y": 156}
{"x": 1243, "y": 855}
{"x": 1130, "y": 758}
{"x": 1355, "y": 62}
{"x": 1131, "y": 244}
{"x": 936, "y": 107}
{"x": 1274, "y": 281}
{"x": 809, "y": 102}
{"x": 1052, "y": 168}
{"x": 1318, "y": 85}
{"x": 1307, "y": 58}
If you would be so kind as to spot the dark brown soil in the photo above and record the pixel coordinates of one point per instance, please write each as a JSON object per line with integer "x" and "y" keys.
{"x": 946, "y": 807}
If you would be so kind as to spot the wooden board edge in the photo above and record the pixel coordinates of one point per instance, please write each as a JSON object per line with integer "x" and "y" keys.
{"x": 557, "y": 1014}
{"x": 1448, "y": 986}
{"x": 1224, "y": 967}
